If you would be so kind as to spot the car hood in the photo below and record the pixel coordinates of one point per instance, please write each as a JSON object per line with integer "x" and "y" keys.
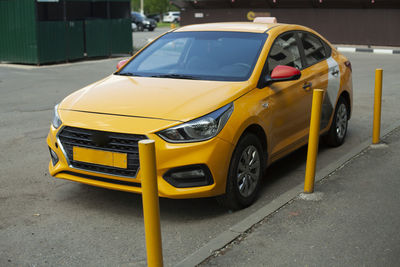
{"x": 161, "y": 98}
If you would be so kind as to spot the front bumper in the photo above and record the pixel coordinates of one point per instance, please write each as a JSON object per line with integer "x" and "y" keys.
{"x": 150, "y": 26}
{"x": 214, "y": 154}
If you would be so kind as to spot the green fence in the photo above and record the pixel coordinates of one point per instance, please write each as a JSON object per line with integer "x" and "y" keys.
{"x": 107, "y": 37}
{"x": 18, "y": 32}
{"x": 75, "y": 40}
{"x": 97, "y": 34}
{"x": 39, "y": 32}
{"x": 52, "y": 41}
{"x": 121, "y": 43}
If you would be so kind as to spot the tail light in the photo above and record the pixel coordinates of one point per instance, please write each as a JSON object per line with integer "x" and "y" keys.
{"x": 348, "y": 64}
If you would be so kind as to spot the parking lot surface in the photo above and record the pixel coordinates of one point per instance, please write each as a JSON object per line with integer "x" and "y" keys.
{"x": 47, "y": 221}
{"x": 140, "y": 39}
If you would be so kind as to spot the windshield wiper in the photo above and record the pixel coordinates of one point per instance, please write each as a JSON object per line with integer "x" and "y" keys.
{"x": 174, "y": 76}
{"x": 128, "y": 74}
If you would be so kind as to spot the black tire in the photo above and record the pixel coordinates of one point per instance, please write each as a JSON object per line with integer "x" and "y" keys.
{"x": 337, "y": 132}
{"x": 151, "y": 29}
{"x": 236, "y": 197}
{"x": 140, "y": 28}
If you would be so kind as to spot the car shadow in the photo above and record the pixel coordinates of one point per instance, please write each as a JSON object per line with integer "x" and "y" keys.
{"x": 280, "y": 177}
{"x": 118, "y": 202}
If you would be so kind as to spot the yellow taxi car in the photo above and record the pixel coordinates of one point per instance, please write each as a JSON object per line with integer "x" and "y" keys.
{"x": 222, "y": 101}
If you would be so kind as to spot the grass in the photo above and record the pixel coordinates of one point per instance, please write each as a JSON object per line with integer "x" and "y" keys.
{"x": 166, "y": 24}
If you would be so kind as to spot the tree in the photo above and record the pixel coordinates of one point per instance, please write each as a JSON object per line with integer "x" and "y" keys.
{"x": 153, "y": 6}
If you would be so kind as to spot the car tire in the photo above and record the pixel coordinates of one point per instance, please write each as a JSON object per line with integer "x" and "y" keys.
{"x": 140, "y": 28}
{"x": 337, "y": 132}
{"x": 151, "y": 29}
{"x": 245, "y": 173}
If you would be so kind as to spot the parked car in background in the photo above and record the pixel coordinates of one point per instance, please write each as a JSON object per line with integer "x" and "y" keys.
{"x": 134, "y": 27}
{"x": 172, "y": 16}
{"x": 155, "y": 16}
{"x": 142, "y": 22}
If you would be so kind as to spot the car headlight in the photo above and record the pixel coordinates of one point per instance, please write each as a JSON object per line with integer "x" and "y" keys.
{"x": 56, "y": 119}
{"x": 146, "y": 22}
{"x": 200, "y": 129}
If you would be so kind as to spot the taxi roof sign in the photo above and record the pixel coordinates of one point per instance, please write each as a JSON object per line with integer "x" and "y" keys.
{"x": 265, "y": 20}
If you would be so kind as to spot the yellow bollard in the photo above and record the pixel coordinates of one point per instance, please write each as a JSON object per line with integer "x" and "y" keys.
{"x": 151, "y": 210}
{"x": 313, "y": 140}
{"x": 173, "y": 26}
{"x": 376, "y": 131}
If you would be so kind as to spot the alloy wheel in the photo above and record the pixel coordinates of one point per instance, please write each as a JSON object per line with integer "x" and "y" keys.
{"x": 248, "y": 171}
{"x": 341, "y": 121}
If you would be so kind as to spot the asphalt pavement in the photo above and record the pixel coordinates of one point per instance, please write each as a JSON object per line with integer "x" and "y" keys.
{"x": 140, "y": 39}
{"x": 353, "y": 219}
{"x": 51, "y": 222}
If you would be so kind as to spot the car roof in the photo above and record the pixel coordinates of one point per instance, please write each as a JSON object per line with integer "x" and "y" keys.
{"x": 230, "y": 26}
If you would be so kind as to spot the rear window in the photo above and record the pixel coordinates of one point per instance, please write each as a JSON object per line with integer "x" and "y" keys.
{"x": 219, "y": 56}
{"x": 314, "y": 48}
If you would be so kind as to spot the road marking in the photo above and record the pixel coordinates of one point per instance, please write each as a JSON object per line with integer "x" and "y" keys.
{"x": 369, "y": 50}
{"x": 346, "y": 49}
{"x": 383, "y": 51}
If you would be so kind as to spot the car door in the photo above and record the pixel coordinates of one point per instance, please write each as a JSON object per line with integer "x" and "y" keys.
{"x": 285, "y": 101}
{"x": 321, "y": 71}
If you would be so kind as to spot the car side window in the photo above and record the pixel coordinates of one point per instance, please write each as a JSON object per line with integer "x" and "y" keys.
{"x": 314, "y": 49}
{"x": 284, "y": 51}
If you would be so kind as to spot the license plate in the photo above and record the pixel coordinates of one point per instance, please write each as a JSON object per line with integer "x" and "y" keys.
{"x": 100, "y": 157}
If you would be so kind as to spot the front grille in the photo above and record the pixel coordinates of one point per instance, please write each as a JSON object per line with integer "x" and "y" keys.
{"x": 115, "y": 142}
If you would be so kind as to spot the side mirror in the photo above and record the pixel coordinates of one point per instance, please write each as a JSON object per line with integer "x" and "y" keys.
{"x": 121, "y": 63}
{"x": 282, "y": 74}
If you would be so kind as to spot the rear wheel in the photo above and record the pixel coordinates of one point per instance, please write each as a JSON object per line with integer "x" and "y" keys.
{"x": 337, "y": 131}
{"x": 245, "y": 173}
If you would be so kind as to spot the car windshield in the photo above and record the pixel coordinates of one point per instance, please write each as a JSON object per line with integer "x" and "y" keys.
{"x": 218, "y": 56}
{"x": 140, "y": 16}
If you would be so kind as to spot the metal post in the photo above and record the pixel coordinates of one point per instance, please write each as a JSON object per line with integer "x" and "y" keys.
{"x": 141, "y": 7}
{"x": 313, "y": 140}
{"x": 151, "y": 210}
{"x": 377, "y": 107}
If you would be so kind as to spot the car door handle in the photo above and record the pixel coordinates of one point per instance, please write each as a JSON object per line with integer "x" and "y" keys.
{"x": 335, "y": 72}
{"x": 307, "y": 85}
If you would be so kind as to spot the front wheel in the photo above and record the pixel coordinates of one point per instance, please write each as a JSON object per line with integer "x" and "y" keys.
{"x": 245, "y": 172}
{"x": 337, "y": 131}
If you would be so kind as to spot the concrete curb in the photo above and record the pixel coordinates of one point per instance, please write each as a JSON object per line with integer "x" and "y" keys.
{"x": 239, "y": 228}
{"x": 62, "y": 64}
{"x": 368, "y": 50}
